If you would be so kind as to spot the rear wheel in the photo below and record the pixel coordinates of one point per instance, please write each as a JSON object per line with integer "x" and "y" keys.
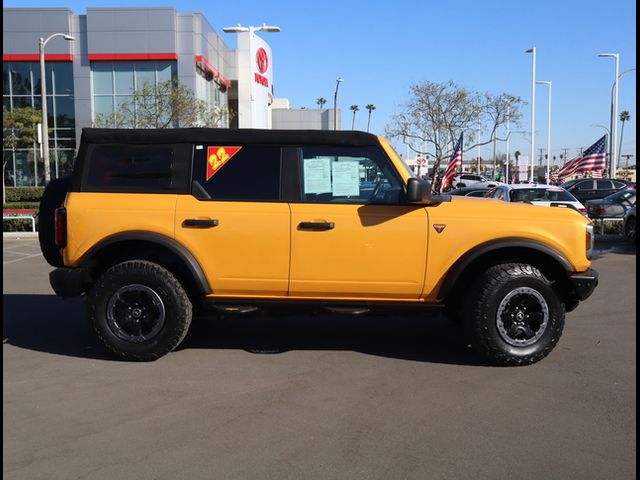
{"x": 139, "y": 310}
{"x": 515, "y": 318}
{"x": 630, "y": 229}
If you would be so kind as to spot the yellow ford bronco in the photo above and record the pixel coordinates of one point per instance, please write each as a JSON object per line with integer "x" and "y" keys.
{"x": 155, "y": 223}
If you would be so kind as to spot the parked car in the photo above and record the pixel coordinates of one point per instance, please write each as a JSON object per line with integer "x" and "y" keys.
{"x": 472, "y": 179}
{"x": 613, "y": 206}
{"x": 537, "y": 194}
{"x": 630, "y": 224}
{"x": 471, "y": 191}
{"x": 590, "y": 188}
{"x": 154, "y": 224}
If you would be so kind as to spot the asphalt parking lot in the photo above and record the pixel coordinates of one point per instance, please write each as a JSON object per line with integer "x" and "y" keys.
{"x": 315, "y": 397}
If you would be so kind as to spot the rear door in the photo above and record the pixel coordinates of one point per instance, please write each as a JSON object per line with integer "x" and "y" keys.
{"x": 234, "y": 221}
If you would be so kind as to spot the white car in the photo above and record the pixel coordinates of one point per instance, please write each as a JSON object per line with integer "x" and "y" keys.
{"x": 537, "y": 194}
{"x": 472, "y": 179}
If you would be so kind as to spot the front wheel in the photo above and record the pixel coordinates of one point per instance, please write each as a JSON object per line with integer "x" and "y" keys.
{"x": 515, "y": 317}
{"x": 139, "y": 310}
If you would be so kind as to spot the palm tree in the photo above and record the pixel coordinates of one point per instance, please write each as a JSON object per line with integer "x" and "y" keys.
{"x": 321, "y": 101}
{"x": 624, "y": 117}
{"x": 354, "y": 109}
{"x": 371, "y": 107}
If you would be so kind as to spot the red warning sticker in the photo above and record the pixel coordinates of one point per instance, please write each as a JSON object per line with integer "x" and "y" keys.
{"x": 217, "y": 157}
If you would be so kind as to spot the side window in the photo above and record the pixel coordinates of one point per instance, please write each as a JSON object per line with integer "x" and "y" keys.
{"x": 603, "y": 185}
{"x": 137, "y": 168}
{"x": 239, "y": 172}
{"x": 586, "y": 185}
{"x": 499, "y": 194}
{"x": 618, "y": 185}
{"x": 347, "y": 175}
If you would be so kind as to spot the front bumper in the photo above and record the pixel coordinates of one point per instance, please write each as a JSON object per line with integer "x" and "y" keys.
{"x": 583, "y": 284}
{"x": 69, "y": 282}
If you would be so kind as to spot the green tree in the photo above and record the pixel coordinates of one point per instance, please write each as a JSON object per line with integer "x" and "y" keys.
{"x": 436, "y": 113}
{"x": 354, "y": 109}
{"x": 19, "y": 129}
{"x": 321, "y": 101}
{"x": 371, "y": 107}
{"x": 164, "y": 105}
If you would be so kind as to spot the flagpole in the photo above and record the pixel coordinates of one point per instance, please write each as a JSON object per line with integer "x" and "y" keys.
{"x": 508, "y": 134}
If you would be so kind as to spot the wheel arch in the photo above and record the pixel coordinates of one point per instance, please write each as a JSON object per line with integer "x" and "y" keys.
{"x": 553, "y": 264}
{"x": 150, "y": 246}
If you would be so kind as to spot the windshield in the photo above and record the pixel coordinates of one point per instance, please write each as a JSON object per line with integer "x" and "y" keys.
{"x": 541, "y": 195}
{"x": 386, "y": 144}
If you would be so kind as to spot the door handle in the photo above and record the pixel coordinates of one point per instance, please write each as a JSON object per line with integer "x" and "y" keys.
{"x": 198, "y": 223}
{"x": 317, "y": 225}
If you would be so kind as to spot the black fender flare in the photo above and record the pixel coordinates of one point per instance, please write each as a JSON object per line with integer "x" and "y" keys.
{"x": 151, "y": 237}
{"x": 478, "y": 251}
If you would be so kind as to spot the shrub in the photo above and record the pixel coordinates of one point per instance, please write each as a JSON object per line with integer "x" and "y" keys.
{"x": 24, "y": 194}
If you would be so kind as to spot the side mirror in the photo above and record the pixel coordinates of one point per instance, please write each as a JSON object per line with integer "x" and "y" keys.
{"x": 418, "y": 191}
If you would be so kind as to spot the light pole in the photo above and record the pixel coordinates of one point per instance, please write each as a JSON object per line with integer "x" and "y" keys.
{"x": 335, "y": 103}
{"x": 262, "y": 28}
{"x": 533, "y": 107}
{"x": 252, "y": 84}
{"x": 616, "y": 120}
{"x": 613, "y": 147}
{"x": 507, "y": 146}
{"x": 43, "y": 91}
{"x": 548, "y": 82}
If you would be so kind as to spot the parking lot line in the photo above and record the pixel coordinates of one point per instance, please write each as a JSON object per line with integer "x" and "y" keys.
{"x": 15, "y": 253}
{"x": 23, "y": 258}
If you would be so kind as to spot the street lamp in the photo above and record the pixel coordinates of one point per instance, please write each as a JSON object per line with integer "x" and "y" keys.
{"x": 263, "y": 28}
{"x": 533, "y": 108}
{"x": 548, "y": 82}
{"x": 43, "y": 91}
{"x": 335, "y": 103}
{"x": 614, "y": 115}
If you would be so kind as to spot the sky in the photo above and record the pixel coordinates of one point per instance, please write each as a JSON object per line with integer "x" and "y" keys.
{"x": 380, "y": 48}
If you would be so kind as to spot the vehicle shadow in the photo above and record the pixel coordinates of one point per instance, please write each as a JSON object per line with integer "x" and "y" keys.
{"x": 46, "y": 323}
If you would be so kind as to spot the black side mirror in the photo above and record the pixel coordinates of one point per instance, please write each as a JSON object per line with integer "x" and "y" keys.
{"x": 418, "y": 191}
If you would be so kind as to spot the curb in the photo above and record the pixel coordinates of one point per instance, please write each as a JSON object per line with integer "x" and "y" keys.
{"x": 18, "y": 235}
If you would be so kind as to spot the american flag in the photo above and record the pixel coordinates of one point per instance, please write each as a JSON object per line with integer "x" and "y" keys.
{"x": 592, "y": 159}
{"x": 454, "y": 164}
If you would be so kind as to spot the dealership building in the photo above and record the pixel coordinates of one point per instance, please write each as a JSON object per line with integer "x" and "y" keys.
{"x": 115, "y": 51}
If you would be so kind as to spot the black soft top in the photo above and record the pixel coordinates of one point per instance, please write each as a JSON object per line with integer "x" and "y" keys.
{"x": 227, "y": 136}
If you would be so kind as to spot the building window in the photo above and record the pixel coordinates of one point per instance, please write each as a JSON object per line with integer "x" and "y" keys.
{"x": 20, "y": 89}
{"x": 115, "y": 82}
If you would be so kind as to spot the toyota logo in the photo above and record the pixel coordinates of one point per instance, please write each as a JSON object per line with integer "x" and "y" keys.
{"x": 262, "y": 60}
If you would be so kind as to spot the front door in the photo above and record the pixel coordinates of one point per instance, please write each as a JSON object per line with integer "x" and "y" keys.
{"x": 350, "y": 235}
{"x": 234, "y": 222}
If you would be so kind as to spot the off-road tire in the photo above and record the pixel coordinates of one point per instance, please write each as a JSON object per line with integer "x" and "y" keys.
{"x": 176, "y": 304}
{"x": 481, "y": 320}
{"x": 52, "y": 198}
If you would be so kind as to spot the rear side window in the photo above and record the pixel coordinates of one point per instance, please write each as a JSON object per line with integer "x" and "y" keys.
{"x": 586, "y": 185}
{"x": 239, "y": 172}
{"x": 137, "y": 168}
{"x": 604, "y": 185}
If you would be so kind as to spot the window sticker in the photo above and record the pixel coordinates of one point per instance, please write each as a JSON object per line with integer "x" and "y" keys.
{"x": 317, "y": 175}
{"x": 346, "y": 178}
{"x": 217, "y": 157}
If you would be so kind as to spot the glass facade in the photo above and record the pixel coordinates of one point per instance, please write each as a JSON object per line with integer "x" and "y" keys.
{"x": 21, "y": 88}
{"x": 208, "y": 90}
{"x": 115, "y": 82}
